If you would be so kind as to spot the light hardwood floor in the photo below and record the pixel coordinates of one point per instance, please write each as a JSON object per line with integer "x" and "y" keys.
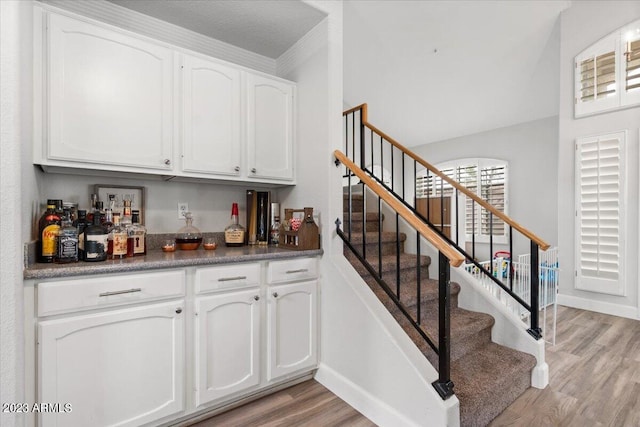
{"x": 594, "y": 380}
{"x": 594, "y": 376}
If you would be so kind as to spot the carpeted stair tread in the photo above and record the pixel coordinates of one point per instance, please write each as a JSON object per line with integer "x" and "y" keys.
{"x": 407, "y": 262}
{"x": 373, "y": 236}
{"x": 493, "y": 374}
{"x": 409, "y": 294}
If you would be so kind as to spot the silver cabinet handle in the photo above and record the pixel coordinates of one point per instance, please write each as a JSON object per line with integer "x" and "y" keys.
{"x": 237, "y": 169}
{"x": 126, "y": 291}
{"x": 275, "y": 295}
{"x": 228, "y": 279}
{"x": 253, "y": 170}
{"x": 179, "y": 310}
{"x": 300, "y": 270}
{"x": 257, "y": 298}
{"x": 167, "y": 162}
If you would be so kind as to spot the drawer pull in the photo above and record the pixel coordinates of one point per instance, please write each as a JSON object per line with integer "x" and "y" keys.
{"x": 257, "y": 298}
{"x": 126, "y": 291}
{"x": 179, "y": 310}
{"x": 228, "y": 279}
{"x": 275, "y": 295}
{"x": 300, "y": 270}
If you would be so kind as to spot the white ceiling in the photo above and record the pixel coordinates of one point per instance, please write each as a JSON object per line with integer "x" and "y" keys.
{"x": 429, "y": 70}
{"x": 435, "y": 70}
{"x": 266, "y": 27}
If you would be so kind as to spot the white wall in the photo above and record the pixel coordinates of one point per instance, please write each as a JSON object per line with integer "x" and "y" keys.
{"x": 582, "y": 25}
{"x": 530, "y": 150}
{"x": 15, "y": 108}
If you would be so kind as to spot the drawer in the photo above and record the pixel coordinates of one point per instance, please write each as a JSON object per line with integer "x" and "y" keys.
{"x": 225, "y": 277}
{"x": 292, "y": 270}
{"x": 85, "y": 294}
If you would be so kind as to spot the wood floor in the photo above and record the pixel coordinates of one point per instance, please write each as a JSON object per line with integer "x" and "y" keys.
{"x": 594, "y": 380}
{"x": 307, "y": 404}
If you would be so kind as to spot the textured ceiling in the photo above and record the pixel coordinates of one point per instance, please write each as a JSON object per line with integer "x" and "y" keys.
{"x": 266, "y": 27}
{"x": 435, "y": 70}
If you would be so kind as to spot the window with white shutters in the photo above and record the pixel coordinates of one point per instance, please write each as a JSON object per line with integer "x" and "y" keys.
{"x": 490, "y": 184}
{"x": 599, "y": 213}
{"x": 607, "y": 74}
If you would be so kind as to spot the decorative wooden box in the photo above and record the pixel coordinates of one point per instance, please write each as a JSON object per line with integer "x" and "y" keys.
{"x": 305, "y": 237}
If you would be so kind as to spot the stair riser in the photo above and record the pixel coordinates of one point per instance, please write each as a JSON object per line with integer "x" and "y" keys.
{"x": 357, "y": 204}
{"x": 356, "y": 226}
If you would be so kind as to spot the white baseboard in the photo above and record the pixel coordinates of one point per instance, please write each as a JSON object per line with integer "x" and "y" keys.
{"x": 374, "y": 409}
{"x": 612, "y": 309}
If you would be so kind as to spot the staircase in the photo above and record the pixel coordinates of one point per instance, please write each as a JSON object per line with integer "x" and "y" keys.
{"x": 488, "y": 377}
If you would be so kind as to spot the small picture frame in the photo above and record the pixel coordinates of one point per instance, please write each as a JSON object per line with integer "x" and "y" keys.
{"x": 113, "y": 196}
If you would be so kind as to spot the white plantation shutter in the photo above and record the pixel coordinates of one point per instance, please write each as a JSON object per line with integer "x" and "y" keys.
{"x": 631, "y": 70}
{"x": 607, "y": 74}
{"x": 492, "y": 184}
{"x": 489, "y": 184}
{"x": 599, "y": 213}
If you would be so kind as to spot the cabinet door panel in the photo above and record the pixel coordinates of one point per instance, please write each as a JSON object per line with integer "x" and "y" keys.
{"x": 291, "y": 328}
{"x": 118, "y": 368}
{"x": 269, "y": 128}
{"x": 227, "y": 344}
{"x": 110, "y": 96}
{"x": 211, "y": 102}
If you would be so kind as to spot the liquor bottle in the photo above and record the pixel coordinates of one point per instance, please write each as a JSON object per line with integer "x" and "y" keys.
{"x": 117, "y": 239}
{"x": 234, "y": 233}
{"x": 125, "y": 219}
{"x": 137, "y": 236}
{"x": 99, "y": 211}
{"x": 274, "y": 231}
{"x": 95, "y": 240}
{"x": 81, "y": 223}
{"x": 48, "y": 228}
{"x": 108, "y": 222}
{"x": 67, "y": 241}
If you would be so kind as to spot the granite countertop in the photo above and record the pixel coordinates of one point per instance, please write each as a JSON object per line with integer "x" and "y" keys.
{"x": 156, "y": 259}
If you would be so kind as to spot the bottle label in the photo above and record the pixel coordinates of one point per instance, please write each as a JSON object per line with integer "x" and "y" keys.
{"x": 95, "y": 246}
{"x": 120, "y": 244}
{"x": 234, "y": 236}
{"x": 50, "y": 239}
{"x": 68, "y": 248}
{"x": 138, "y": 243}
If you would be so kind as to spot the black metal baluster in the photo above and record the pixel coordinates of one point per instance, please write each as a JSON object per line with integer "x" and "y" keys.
{"x": 398, "y": 255}
{"x": 371, "y": 144}
{"x": 379, "y": 236}
{"x": 392, "y": 172}
{"x": 444, "y": 385}
{"x": 364, "y": 222}
{"x": 535, "y": 330}
{"x": 511, "y": 258}
{"x": 381, "y": 163}
{"x": 442, "y": 206}
{"x": 419, "y": 267}
{"x": 403, "y": 177}
{"x": 457, "y": 217}
{"x": 491, "y": 243}
{"x": 473, "y": 229}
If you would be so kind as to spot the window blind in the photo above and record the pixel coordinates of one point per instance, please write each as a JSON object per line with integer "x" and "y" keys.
{"x": 493, "y": 191}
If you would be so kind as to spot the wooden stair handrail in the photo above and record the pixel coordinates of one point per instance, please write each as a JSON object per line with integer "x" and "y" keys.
{"x": 455, "y": 258}
{"x": 527, "y": 233}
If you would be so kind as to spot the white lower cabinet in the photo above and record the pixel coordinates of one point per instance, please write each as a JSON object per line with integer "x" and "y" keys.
{"x": 156, "y": 347}
{"x": 227, "y": 344}
{"x": 291, "y": 328}
{"x": 117, "y": 368}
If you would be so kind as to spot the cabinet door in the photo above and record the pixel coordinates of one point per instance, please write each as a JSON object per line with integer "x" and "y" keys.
{"x": 292, "y": 328}
{"x": 121, "y": 368}
{"x": 227, "y": 344}
{"x": 269, "y": 128}
{"x": 211, "y": 117}
{"x": 110, "y": 97}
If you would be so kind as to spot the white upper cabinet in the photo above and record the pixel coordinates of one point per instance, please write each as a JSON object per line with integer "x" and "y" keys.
{"x": 211, "y": 138}
{"x": 109, "y": 97}
{"x": 270, "y": 128}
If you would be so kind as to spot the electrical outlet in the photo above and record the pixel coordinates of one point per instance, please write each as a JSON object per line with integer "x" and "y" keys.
{"x": 182, "y": 208}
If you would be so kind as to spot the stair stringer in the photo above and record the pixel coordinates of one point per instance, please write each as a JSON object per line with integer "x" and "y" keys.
{"x": 508, "y": 329}
{"x": 398, "y": 391}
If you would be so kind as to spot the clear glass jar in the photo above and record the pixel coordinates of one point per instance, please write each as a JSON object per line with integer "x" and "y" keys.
{"x": 188, "y": 238}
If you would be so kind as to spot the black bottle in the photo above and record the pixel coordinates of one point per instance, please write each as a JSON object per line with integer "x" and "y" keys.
{"x": 95, "y": 240}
